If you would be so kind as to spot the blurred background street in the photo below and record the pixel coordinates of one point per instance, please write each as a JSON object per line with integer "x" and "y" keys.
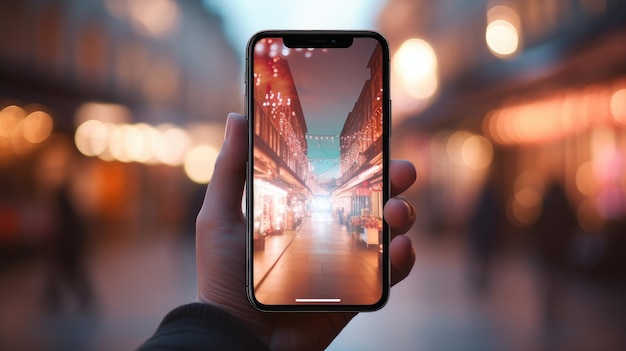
{"x": 514, "y": 113}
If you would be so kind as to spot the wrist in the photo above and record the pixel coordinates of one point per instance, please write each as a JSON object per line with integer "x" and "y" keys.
{"x": 213, "y": 321}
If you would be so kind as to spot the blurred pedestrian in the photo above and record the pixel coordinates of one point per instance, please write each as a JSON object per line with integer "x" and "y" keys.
{"x": 483, "y": 236}
{"x": 553, "y": 239}
{"x": 65, "y": 232}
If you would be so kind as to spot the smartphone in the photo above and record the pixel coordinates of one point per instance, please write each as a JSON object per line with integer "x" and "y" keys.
{"x": 318, "y": 108}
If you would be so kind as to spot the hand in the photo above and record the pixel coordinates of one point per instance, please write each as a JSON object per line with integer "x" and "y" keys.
{"x": 221, "y": 249}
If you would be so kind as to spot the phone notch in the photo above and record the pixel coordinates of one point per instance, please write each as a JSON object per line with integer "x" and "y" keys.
{"x": 318, "y": 41}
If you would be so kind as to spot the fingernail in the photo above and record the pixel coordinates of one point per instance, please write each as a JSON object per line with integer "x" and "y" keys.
{"x": 227, "y": 130}
{"x": 410, "y": 211}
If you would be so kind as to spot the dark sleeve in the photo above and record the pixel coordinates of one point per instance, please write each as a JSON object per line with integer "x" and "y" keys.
{"x": 199, "y": 326}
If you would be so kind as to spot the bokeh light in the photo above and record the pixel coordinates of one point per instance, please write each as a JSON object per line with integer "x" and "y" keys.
{"x": 118, "y": 142}
{"x": 199, "y": 163}
{"x": 502, "y": 33}
{"x": 173, "y": 145}
{"x": 525, "y": 205}
{"x": 477, "y": 152}
{"x": 91, "y": 137}
{"x": 618, "y": 106}
{"x": 105, "y": 112}
{"x": 455, "y": 144}
{"x": 24, "y": 130}
{"x": 415, "y": 63}
{"x": 502, "y": 37}
{"x": 37, "y": 127}
{"x": 584, "y": 179}
{"x": 557, "y": 115}
{"x": 141, "y": 142}
{"x": 10, "y": 117}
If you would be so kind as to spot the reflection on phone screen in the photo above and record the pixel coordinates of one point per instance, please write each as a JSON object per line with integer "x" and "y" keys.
{"x": 318, "y": 177}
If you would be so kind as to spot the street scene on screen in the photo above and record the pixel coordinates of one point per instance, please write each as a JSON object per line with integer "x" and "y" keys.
{"x": 318, "y": 186}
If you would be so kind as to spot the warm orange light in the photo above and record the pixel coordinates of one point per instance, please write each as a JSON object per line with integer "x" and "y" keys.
{"x": 415, "y": 64}
{"x": 91, "y": 137}
{"x": 105, "y": 112}
{"x": 584, "y": 179}
{"x": 502, "y": 38}
{"x": 477, "y": 152}
{"x": 173, "y": 145}
{"x": 521, "y": 213}
{"x": 118, "y": 142}
{"x": 503, "y": 31}
{"x": 37, "y": 127}
{"x": 157, "y": 17}
{"x": 24, "y": 131}
{"x": 529, "y": 179}
{"x": 10, "y": 117}
{"x": 588, "y": 217}
{"x": 199, "y": 163}
{"x": 558, "y": 115}
{"x": 455, "y": 144}
{"x": 618, "y": 106}
{"x": 528, "y": 197}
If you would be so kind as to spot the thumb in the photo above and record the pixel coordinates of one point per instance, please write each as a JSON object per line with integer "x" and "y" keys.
{"x": 223, "y": 196}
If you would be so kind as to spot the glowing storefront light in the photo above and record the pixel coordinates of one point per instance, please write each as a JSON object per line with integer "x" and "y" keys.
{"x": 558, "y": 115}
{"x": 261, "y": 185}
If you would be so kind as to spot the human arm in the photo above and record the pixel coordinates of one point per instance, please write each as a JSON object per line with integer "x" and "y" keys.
{"x": 221, "y": 245}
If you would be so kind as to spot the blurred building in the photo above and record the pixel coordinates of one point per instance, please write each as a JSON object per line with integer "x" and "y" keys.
{"x": 281, "y": 166}
{"x": 136, "y": 89}
{"x": 360, "y": 185}
{"x": 533, "y": 91}
{"x": 113, "y": 111}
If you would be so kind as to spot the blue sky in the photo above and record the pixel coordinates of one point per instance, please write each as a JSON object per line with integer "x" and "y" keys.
{"x": 243, "y": 18}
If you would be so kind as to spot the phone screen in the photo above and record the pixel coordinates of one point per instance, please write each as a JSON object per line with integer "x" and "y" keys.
{"x": 318, "y": 112}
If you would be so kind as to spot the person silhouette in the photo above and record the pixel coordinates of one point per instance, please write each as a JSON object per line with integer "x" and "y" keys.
{"x": 554, "y": 235}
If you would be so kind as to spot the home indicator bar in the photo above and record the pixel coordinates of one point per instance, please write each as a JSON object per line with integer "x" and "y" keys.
{"x": 318, "y": 300}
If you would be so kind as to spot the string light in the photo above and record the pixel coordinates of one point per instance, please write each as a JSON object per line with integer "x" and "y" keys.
{"x": 279, "y": 102}
{"x": 278, "y": 99}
